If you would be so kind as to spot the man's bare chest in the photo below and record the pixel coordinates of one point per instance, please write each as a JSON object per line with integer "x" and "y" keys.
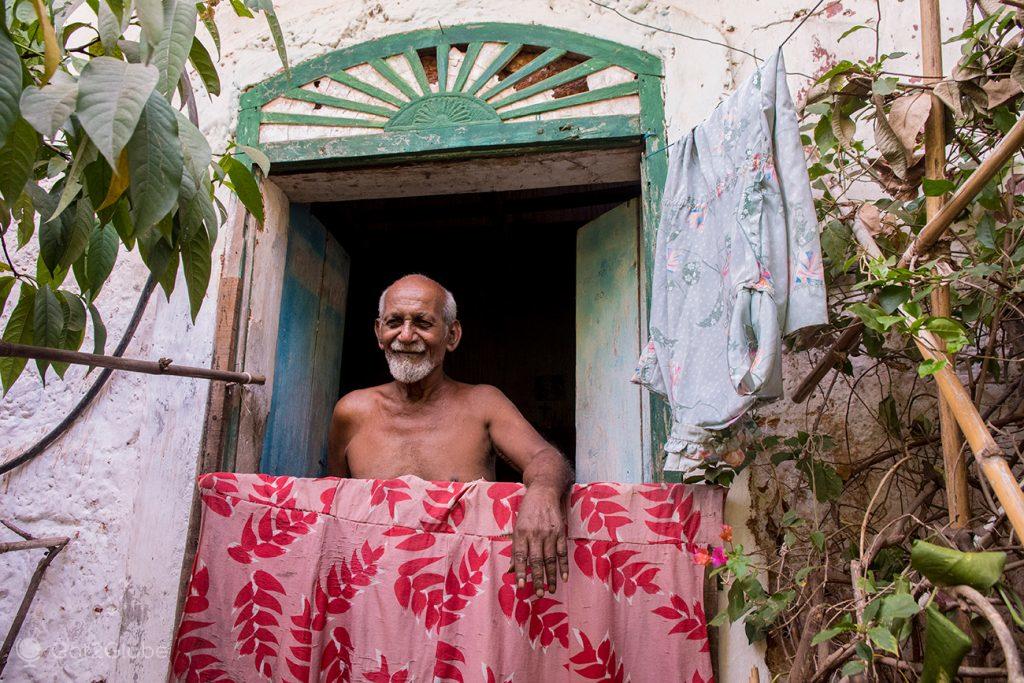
{"x": 431, "y": 445}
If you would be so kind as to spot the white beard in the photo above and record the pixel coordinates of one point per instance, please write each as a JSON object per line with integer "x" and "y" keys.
{"x": 405, "y": 369}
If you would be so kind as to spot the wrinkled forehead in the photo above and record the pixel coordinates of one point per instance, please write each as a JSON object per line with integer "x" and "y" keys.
{"x": 414, "y": 298}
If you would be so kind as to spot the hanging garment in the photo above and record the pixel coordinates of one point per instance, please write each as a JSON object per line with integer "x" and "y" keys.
{"x": 737, "y": 266}
{"x": 405, "y": 580}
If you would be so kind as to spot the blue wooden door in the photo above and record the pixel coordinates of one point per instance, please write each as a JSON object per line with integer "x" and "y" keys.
{"x": 307, "y": 368}
{"x": 609, "y": 425}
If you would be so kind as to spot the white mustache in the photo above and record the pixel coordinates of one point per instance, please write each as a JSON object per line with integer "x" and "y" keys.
{"x": 415, "y": 347}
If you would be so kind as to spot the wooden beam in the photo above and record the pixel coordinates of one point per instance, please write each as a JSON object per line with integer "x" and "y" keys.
{"x": 161, "y": 367}
{"x": 932, "y": 231}
{"x": 954, "y": 462}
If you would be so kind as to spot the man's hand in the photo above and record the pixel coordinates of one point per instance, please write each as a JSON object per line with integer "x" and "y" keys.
{"x": 538, "y": 540}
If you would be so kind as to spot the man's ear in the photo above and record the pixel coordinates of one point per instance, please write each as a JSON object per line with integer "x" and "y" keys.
{"x": 376, "y": 332}
{"x": 454, "y": 336}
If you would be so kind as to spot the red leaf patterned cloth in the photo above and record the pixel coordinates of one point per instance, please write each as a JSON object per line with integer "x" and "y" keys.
{"x": 406, "y": 581}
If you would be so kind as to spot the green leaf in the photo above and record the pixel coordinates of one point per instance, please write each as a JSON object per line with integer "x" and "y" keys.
{"x": 17, "y": 156}
{"x": 884, "y": 86}
{"x": 49, "y": 107}
{"x": 883, "y": 639}
{"x": 869, "y": 315}
{"x": 888, "y": 415}
{"x": 851, "y": 30}
{"x": 84, "y": 156}
{"x": 100, "y": 257}
{"x": 204, "y": 66}
{"x": 10, "y": 84}
{"x": 898, "y": 606}
{"x": 244, "y": 185}
{"x": 6, "y": 285}
{"x": 853, "y": 667}
{"x": 48, "y": 324}
{"x": 111, "y": 97}
{"x": 211, "y": 27}
{"x": 108, "y": 25}
{"x": 63, "y": 239}
{"x": 195, "y": 258}
{"x": 984, "y": 232}
{"x": 822, "y": 478}
{"x": 267, "y": 7}
{"x": 818, "y": 539}
{"x": 948, "y": 567}
{"x": 947, "y": 328}
{"x": 830, "y": 633}
{"x": 824, "y": 138}
{"x": 170, "y": 275}
{"x": 195, "y": 149}
{"x": 936, "y": 187}
{"x": 892, "y": 297}
{"x": 154, "y": 163}
{"x": 24, "y": 213}
{"x": 258, "y": 157}
{"x": 74, "y": 311}
{"x": 240, "y": 9}
{"x": 151, "y": 16}
{"x": 155, "y": 250}
{"x": 99, "y": 331}
{"x": 930, "y": 366}
{"x": 945, "y": 646}
{"x": 176, "y": 39}
{"x": 18, "y": 331}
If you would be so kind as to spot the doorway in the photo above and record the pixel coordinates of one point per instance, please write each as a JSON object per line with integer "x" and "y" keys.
{"x": 509, "y": 258}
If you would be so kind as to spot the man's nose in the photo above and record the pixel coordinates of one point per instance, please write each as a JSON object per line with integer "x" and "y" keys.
{"x": 405, "y": 335}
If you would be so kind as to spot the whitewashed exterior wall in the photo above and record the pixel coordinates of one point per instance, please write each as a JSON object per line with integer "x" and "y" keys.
{"x": 120, "y": 483}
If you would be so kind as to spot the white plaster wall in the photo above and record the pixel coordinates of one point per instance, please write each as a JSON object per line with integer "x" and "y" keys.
{"x": 120, "y": 482}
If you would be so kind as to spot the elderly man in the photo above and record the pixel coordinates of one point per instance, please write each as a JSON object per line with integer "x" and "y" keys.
{"x": 428, "y": 425}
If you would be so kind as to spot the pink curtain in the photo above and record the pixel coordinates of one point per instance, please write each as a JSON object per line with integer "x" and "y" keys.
{"x": 403, "y": 580}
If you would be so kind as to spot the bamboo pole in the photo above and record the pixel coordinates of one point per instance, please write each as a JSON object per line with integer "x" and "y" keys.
{"x": 932, "y": 231}
{"x": 161, "y": 367}
{"x": 954, "y": 462}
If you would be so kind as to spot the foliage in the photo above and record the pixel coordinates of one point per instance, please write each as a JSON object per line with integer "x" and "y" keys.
{"x": 96, "y": 155}
{"x": 854, "y": 555}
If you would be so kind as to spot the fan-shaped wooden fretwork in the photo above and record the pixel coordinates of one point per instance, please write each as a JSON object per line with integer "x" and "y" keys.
{"x": 459, "y": 76}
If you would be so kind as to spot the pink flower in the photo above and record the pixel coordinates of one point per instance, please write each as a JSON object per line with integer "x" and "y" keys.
{"x": 726, "y": 534}
{"x": 718, "y": 557}
{"x": 701, "y": 557}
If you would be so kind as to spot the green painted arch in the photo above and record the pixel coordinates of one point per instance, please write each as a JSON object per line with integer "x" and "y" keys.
{"x": 633, "y": 59}
{"x": 412, "y": 113}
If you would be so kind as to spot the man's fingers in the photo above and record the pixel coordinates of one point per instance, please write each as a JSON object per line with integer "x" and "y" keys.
{"x": 519, "y": 559}
{"x": 537, "y": 565}
{"x": 550, "y": 563}
{"x": 563, "y": 555}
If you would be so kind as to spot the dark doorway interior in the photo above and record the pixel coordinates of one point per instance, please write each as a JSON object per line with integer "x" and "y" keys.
{"x": 509, "y": 260}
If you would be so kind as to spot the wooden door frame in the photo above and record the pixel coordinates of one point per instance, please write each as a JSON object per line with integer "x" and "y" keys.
{"x": 446, "y": 143}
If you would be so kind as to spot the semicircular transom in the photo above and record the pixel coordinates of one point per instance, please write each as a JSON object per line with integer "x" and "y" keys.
{"x": 493, "y": 74}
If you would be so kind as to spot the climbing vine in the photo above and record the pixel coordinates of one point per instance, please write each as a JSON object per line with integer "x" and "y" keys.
{"x": 858, "y": 570}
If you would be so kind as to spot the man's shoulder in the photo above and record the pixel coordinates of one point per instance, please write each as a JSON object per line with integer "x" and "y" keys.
{"x": 484, "y": 395}
{"x": 356, "y": 403}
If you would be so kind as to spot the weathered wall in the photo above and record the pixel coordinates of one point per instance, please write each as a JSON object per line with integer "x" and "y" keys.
{"x": 119, "y": 484}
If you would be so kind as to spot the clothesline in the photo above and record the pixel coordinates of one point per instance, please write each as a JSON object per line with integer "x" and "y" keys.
{"x": 806, "y": 16}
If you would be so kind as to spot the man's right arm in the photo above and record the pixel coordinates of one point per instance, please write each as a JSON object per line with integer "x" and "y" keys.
{"x": 342, "y": 420}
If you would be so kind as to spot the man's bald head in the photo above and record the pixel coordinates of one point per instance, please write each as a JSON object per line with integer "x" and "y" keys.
{"x": 418, "y": 283}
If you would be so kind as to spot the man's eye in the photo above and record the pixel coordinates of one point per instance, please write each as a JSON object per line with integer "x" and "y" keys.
{"x": 393, "y": 323}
